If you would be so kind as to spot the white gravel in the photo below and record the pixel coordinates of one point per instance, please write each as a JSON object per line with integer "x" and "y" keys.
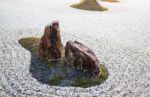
{"x": 120, "y": 37}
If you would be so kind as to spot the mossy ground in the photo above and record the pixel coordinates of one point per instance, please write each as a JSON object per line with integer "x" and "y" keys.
{"x": 89, "y": 5}
{"x": 91, "y": 81}
{"x": 30, "y": 43}
{"x": 55, "y": 80}
{"x": 49, "y": 64}
{"x": 60, "y": 72}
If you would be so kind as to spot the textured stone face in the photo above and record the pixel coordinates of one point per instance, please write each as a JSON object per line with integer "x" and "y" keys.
{"x": 50, "y": 46}
{"x": 81, "y": 57}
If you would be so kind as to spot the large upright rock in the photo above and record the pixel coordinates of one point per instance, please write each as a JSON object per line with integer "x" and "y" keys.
{"x": 81, "y": 57}
{"x": 50, "y": 46}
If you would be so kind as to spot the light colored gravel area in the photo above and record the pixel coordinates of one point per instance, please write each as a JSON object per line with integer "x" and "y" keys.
{"x": 120, "y": 37}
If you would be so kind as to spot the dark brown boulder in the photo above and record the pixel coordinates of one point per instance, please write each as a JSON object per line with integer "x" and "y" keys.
{"x": 81, "y": 57}
{"x": 50, "y": 46}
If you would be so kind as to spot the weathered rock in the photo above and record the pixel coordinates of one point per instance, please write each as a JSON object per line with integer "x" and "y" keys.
{"x": 81, "y": 57}
{"x": 50, "y": 46}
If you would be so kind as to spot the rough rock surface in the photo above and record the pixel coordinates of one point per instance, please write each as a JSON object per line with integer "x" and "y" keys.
{"x": 81, "y": 57}
{"x": 50, "y": 46}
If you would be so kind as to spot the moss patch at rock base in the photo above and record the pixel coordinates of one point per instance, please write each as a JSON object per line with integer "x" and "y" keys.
{"x": 30, "y": 43}
{"x": 104, "y": 72}
{"x": 55, "y": 80}
{"x": 58, "y": 73}
{"x": 91, "y": 81}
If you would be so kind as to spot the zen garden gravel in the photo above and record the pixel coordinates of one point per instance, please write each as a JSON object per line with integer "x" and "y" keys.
{"x": 120, "y": 37}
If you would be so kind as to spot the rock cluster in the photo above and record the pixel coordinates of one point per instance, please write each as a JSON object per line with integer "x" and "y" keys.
{"x": 76, "y": 54}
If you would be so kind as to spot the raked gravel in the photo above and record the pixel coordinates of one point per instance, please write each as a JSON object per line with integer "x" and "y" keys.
{"x": 120, "y": 37}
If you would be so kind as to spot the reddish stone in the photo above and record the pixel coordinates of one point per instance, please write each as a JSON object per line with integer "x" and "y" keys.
{"x": 81, "y": 57}
{"x": 50, "y": 46}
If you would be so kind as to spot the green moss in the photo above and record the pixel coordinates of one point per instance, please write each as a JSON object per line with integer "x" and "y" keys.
{"x": 56, "y": 80}
{"x": 91, "y": 81}
{"x": 86, "y": 82}
{"x": 104, "y": 72}
{"x": 45, "y": 61}
{"x": 49, "y": 66}
{"x": 30, "y": 43}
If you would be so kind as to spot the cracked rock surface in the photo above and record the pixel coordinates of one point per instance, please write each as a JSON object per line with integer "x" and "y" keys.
{"x": 120, "y": 38}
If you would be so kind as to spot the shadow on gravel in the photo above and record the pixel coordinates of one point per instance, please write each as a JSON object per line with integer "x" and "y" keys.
{"x": 57, "y": 73}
